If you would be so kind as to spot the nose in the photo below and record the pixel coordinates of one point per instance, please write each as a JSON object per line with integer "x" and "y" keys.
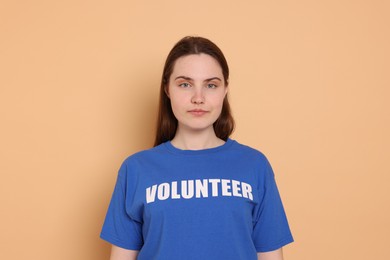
{"x": 198, "y": 96}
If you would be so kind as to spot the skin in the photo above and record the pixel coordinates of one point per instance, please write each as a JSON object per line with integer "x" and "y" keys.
{"x": 118, "y": 253}
{"x": 272, "y": 255}
{"x": 196, "y": 89}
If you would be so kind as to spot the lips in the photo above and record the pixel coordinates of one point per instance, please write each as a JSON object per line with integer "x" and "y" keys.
{"x": 197, "y": 112}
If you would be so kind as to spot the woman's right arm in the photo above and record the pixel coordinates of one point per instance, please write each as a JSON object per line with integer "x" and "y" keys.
{"x": 118, "y": 253}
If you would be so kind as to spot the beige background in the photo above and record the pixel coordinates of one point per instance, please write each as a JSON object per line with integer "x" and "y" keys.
{"x": 309, "y": 87}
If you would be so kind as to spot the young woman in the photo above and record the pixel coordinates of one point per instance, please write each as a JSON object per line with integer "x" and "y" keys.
{"x": 197, "y": 194}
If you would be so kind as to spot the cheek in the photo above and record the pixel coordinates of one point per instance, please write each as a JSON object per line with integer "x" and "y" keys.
{"x": 218, "y": 99}
{"x": 177, "y": 103}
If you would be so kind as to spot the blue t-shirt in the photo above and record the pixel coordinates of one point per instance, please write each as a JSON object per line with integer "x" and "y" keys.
{"x": 218, "y": 203}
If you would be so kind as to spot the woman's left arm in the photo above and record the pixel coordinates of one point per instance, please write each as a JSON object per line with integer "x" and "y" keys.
{"x": 272, "y": 255}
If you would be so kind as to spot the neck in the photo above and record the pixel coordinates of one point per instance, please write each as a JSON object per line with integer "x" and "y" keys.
{"x": 193, "y": 140}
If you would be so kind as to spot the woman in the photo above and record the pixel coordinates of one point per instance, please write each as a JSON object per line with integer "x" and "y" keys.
{"x": 197, "y": 194}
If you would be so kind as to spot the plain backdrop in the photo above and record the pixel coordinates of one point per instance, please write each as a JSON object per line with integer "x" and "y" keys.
{"x": 309, "y": 87}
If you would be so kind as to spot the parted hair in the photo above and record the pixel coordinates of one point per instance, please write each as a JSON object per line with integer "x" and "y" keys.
{"x": 166, "y": 121}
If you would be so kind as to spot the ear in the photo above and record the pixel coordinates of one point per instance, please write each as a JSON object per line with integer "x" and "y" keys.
{"x": 166, "y": 90}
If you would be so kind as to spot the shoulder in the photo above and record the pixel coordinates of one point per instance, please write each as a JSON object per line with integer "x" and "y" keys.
{"x": 144, "y": 154}
{"x": 249, "y": 152}
{"x": 254, "y": 161}
{"x": 141, "y": 158}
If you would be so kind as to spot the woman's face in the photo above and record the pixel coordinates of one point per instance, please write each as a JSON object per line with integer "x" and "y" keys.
{"x": 196, "y": 89}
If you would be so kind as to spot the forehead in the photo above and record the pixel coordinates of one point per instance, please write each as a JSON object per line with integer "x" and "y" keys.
{"x": 197, "y": 65}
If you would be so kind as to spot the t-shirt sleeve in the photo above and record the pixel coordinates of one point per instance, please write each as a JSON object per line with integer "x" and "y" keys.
{"x": 119, "y": 228}
{"x": 271, "y": 230}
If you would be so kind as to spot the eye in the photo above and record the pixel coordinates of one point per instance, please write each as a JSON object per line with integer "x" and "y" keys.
{"x": 211, "y": 86}
{"x": 184, "y": 85}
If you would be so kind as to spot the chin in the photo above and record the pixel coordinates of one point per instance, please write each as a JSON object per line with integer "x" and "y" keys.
{"x": 198, "y": 127}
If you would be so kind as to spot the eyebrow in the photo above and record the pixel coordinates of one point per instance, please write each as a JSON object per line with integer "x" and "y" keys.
{"x": 206, "y": 80}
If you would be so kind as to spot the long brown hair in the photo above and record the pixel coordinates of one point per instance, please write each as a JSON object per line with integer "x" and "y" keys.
{"x": 166, "y": 121}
